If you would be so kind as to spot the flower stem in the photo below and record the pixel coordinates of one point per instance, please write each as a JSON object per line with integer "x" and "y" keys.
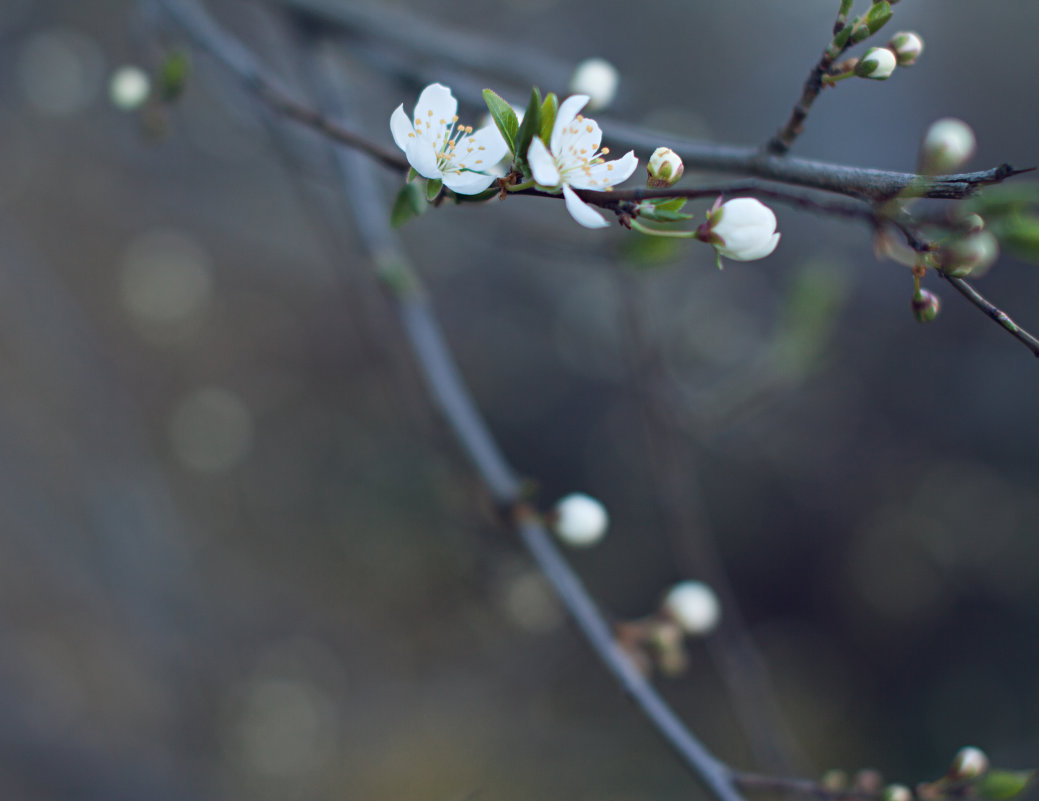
{"x": 645, "y": 229}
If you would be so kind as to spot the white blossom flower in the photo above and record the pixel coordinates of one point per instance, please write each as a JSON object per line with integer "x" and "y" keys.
{"x": 877, "y": 63}
{"x": 743, "y": 229}
{"x": 948, "y": 145}
{"x": 693, "y": 606}
{"x": 597, "y": 78}
{"x": 580, "y": 520}
{"x": 574, "y": 160}
{"x": 438, "y": 147}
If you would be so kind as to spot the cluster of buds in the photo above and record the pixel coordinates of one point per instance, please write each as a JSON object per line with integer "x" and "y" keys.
{"x": 878, "y": 63}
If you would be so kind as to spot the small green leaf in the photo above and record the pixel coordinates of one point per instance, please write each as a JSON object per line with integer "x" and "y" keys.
{"x": 433, "y": 187}
{"x": 1000, "y": 785}
{"x": 529, "y": 127}
{"x": 878, "y": 15}
{"x": 662, "y": 215}
{"x": 1019, "y": 234}
{"x": 845, "y": 8}
{"x": 173, "y": 75}
{"x": 670, "y": 204}
{"x": 504, "y": 117}
{"x": 548, "y": 115}
{"x": 840, "y": 40}
{"x": 412, "y": 175}
{"x": 410, "y": 202}
{"x": 1005, "y": 199}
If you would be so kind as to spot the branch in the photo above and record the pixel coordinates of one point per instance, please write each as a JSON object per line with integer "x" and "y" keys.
{"x": 1001, "y": 317}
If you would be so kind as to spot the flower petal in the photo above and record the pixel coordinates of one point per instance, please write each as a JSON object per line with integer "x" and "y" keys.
{"x": 581, "y": 211}
{"x": 564, "y": 116}
{"x": 542, "y": 164}
{"x": 467, "y": 183}
{"x": 762, "y": 250}
{"x": 422, "y": 156}
{"x": 600, "y": 177}
{"x": 482, "y": 150}
{"x": 401, "y": 128}
{"x": 435, "y": 109}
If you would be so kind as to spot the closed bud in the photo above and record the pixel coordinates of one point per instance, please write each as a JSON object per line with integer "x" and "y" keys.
{"x": 597, "y": 78}
{"x": 580, "y": 520}
{"x": 693, "y": 606}
{"x": 129, "y": 87}
{"x": 743, "y": 229}
{"x": 925, "y": 306}
{"x": 969, "y": 763}
{"x": 896, "y": 792}
{"x": 665, "y": 168}
{"x": 907, "y": 47}
{"x": 948, "y": 145}
{"x": 971, "y": 255}
{"x": 877, "y": 64}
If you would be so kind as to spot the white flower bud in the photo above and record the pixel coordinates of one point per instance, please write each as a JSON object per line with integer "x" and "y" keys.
{"x": 969, "y": 763}
{"x": 693, "y": 606}
{"x": 597, "y": 78}
{"x": 665, "y": 168}
{"x": 877, "y": 63}
{"x": 896, "y": 792}
{"x": 743, "y": 229}
{"x": 129, "y": 87}
{"x": 948, "y": 145}
{"x": 907, "y": 47}
{"x": 971, "y": 255}
{"x": 580, "y": 520}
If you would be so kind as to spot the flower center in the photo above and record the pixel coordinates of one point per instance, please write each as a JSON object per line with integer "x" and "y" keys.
{"x": 574, "y": 158}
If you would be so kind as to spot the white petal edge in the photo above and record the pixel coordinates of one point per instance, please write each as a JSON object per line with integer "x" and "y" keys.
{"x": 753, "y": 254}
{"x": 423, "y": 157}
{"x": 401, "y": 128}
{"x": 581, "y": 211}
{"x": 436, "y": 98}
{"x": 568, "y": 109}
{"x": 603, "y": 176}
{"x": 467, "y": 183}
{"x": 542, "y": 165}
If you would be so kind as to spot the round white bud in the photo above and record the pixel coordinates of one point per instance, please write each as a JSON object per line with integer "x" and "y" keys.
{"x": 877, "y": 63}
{"x": 580, "y": 520}
{"x": 948, "y": 145}
{"x": 742, "y": 229}
{"x": 907, "y": 47}
{"x": 971, "y": 255}
{"x": 693, "y": 606}
{"x": 129, "y": 87}
{"x": 897, "y": 792}
{"x": 665, "y": 167}
{"x": 969, "y": 763}
{"x": 597, "y": 78}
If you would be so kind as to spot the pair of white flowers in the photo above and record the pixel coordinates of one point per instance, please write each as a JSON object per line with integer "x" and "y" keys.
{"x": 439, "y": 148}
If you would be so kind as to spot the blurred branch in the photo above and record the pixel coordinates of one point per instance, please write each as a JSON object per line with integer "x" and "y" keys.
{"x": 1001, "y": 317}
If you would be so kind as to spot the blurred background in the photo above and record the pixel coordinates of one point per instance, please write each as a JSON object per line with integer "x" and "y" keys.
{"x": 241, "y": 556}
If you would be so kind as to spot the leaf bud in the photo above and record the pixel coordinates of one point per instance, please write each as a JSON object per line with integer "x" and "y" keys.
{"x": 597, "y": 78}
{"x": 925, "y": 306}
{"x": 907, "y": 47}
{"x": 693, "y": 606}
{"x": 877, "y": 64}
{"x": 969, "y": 255}
{"x": 969, "y": 763}
{"x": 665, "y": 167}
{"x": 580, "y": 520}
{"x": 948, "y": 145}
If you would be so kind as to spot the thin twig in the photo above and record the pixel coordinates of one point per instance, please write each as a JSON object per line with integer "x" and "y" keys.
{"x": 997, "y": 314}
{"x": 754, "y": 782}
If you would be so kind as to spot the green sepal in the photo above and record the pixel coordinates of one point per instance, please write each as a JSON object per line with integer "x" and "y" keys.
{"x": 528, "y": 128}
{"x": 1000, "y": 785}
{"x": 1019, "y": 234}
{"x": 878, "y": 16}
{"x": 841, "y": 39}
{"x": 433, "y": 187}
{"x": 548, "y": 116}
{"x": 486, "y": 194}
{"x": 412, "y": 175}
{"x": 173, "y": 74}
{"x": 410, "y": 202}
{"x": 504, "y": 117}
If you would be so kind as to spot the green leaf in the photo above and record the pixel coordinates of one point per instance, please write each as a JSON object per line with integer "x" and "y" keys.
{"x": 841, "y": 39}
{"x": 173, "y": 75}
{"x": 1001, "y": 200}
{"x": 529, "y": 127}
{"x": 1019, "y": 234}
{"x": 504, "y": 117}
{"x": 433, "y": 187}
{"x": 410, "y": 202}
{"x": 670, "y": 204}
{"x": 662, "y": 215}
{"x": 548, "y": 116}
{"x": 1000, "y": 785}
{"x": 845, "y": 8}
{"x": 878, "y": 15}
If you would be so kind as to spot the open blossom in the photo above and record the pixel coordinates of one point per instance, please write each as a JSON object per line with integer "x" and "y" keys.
{"x": 438, "y": 147}
{"x": 573, "y": 160}
{"x": 742, "y": 229}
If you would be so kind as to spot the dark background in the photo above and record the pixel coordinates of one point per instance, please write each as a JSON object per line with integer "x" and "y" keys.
{"x": 241, "y": 557}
